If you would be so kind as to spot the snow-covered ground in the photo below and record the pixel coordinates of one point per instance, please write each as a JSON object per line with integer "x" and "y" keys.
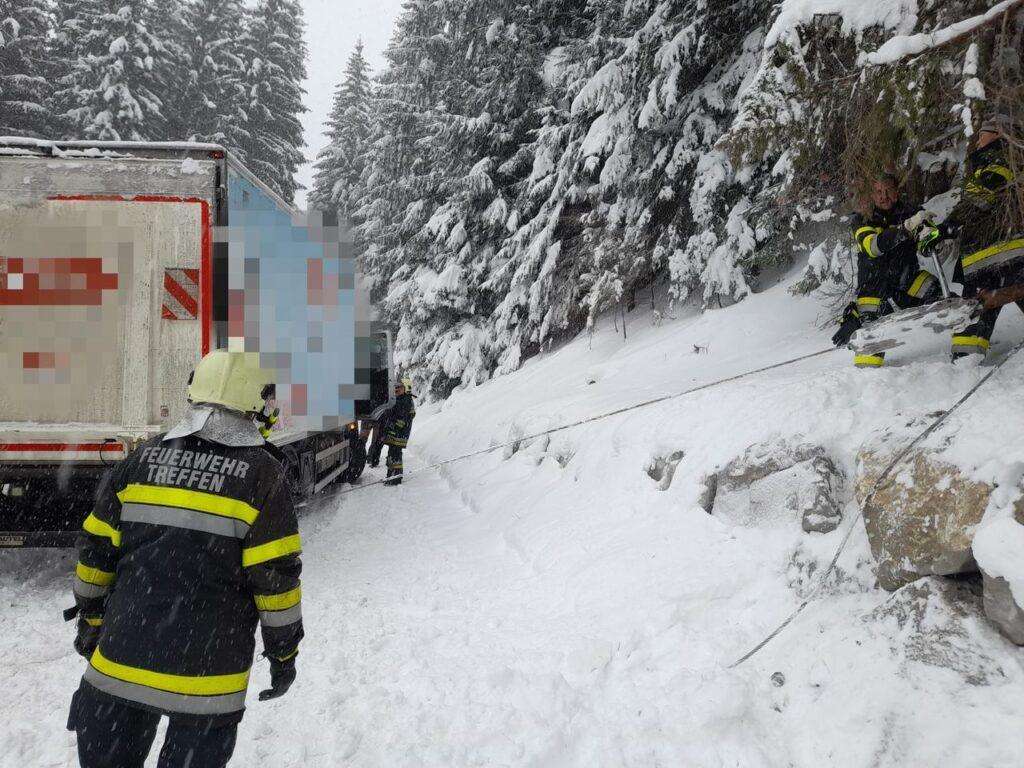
{"x": 553, "y": 606}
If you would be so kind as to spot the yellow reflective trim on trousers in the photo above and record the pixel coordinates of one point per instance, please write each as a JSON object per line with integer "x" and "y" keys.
{"x": 97, "y": 527}
{"x": 291, "y": 655}
{"x": 208, "y": 685}
{"x": 869, "y": 301}
{"x": 186, "y": 499}
{"x": 971, "y": 341}
{"x": 279, "y": 602}
{"x": 93, "y": 622}
{"x": 94, "y": 575}
{"x": 289, "y": 545}
{"x": 994, "y": 250}
{"x": 869, "y": 361}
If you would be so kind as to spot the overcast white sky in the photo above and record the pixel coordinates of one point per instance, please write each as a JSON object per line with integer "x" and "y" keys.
{"x": 332, "y": 28}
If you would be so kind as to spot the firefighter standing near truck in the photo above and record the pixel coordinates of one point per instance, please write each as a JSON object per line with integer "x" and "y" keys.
{"x": 393, "y": 430}
{"x": 991, "y": 242}
{"x": 193, "y": 541}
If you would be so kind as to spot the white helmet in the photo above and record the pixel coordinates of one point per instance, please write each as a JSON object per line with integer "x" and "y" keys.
{"x": 233, "y": 380}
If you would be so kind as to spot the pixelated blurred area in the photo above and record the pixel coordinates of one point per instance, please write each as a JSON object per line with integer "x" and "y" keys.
{"x": 292, "y": 298}
{"x": 93, "y": 282}
{"x": 66, "y": 269}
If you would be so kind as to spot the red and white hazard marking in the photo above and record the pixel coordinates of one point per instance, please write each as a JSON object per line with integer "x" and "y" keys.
{"x": 181, "y": 294}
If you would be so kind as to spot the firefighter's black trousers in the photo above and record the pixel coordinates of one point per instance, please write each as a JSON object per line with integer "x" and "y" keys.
{"x": 395, "y": 466}
{"x": 975, "y": 339}
{"x": 112, "y": 734}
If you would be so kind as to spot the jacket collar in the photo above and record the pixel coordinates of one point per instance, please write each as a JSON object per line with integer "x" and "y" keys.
{"x": 217, "y": 425}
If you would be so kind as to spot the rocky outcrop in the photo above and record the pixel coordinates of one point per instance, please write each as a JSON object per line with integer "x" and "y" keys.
{"x": 935, "y": 622}
{"x": 997, "y": 548}
{"x": 775, "y": 483}
{"x": 1002, "y": 609}
{"x": 922, "y": 519}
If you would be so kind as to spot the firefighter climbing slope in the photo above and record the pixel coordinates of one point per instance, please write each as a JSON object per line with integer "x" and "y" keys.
{"x": 888, "y": 274}
{"x": 394, "y": 430}
{"x": 193, "y": 541}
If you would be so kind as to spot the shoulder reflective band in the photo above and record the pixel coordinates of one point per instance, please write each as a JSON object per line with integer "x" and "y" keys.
{"x": 870, "y": 247}
{"x": 289, "y": 545}
{"x": 996, "y": 170}
{"x": 279, "y": 602}
{"x": 865, "y": 237}
{"x": 97, "y": 527}
{"x": 186, "y": 499}
{"x": 94, "y": 576}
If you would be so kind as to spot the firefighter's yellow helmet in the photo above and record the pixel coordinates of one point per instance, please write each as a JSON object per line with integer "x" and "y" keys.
{"x": 407, "y": 383}
{"x": 233, "y": 380}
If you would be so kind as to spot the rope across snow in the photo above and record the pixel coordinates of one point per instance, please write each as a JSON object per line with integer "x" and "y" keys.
{"x": 883, "y": 481}
{"x": 592, "y": 419}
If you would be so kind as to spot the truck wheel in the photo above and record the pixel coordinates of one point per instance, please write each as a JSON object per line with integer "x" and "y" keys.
{"x": 357, "y": 462}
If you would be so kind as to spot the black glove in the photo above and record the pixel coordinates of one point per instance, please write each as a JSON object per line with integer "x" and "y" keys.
{"x": 282, "y": 675}
{"x": 88, "y": 635}
{"x": 850, "y": 324}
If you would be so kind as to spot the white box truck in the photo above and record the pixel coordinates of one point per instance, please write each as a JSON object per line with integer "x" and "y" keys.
{"x": 120, "y": 266}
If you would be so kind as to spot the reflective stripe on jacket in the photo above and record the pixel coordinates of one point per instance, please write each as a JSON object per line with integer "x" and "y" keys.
{"x": 190, "y": 545}
{"x": 986, "y": 239}
{"x": 397, "y": 421}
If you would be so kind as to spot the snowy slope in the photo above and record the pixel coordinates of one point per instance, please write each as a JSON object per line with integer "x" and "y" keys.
{"x": 551, "y": 606}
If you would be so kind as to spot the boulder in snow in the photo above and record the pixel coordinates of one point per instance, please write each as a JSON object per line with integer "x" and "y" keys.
{"x": 997, "y": 548}
{"x": 923, "y": 518}
{"x": 773, "y": 482}
{"x": 935, "y": 622}
{"x": 662, "y": 469}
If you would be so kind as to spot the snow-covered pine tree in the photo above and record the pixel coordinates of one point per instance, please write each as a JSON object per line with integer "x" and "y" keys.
{"x": 73, "y": 20}
{"x": 113, "y": 79}
{"x": 275, "y": 54}
{"x": 387, "y": 207}
{"x": 25, "y": 68}
{"x": 340, "y": 164}
{"x": 214, "y": 91}
{"x": 164, "y": 20}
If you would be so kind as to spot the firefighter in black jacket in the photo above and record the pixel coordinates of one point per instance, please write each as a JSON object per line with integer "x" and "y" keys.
{"x": 888, "y": 272}
{"x": 394, "y": 429}
{"x": 193, "y": 541}
{"x": 991, "y": 243}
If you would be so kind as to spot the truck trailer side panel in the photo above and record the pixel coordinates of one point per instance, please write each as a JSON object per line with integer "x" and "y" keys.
{"x": 102, "y": 296}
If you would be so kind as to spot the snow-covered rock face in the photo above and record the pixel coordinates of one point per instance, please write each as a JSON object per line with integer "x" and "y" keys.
{"x": 921, "y": 521}
{"x": 937, "y": 623}
{"x": 997, "y": 547}
{"x": 776, "y": 484}
{"x": 1001, "y": 608}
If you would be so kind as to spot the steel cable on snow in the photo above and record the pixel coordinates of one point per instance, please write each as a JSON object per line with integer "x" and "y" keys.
{"x": 589, "y": 420}
{"x": 885, "y": 478}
